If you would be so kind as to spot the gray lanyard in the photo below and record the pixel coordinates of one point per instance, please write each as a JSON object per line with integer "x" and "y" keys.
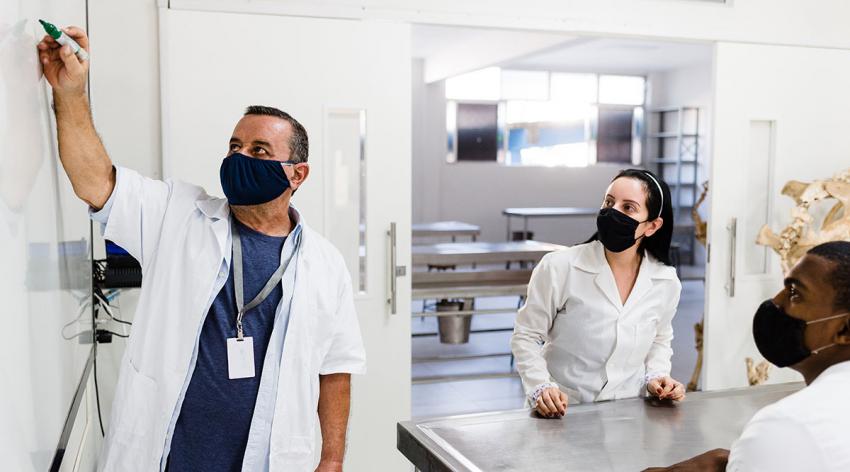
{"x": 237, "y": 279}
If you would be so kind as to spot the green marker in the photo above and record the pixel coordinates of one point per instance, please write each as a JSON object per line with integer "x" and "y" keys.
{"x": 64, "y": 39}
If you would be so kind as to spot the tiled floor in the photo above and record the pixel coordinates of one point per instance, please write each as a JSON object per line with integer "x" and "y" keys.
{"x": 472, "y": 396}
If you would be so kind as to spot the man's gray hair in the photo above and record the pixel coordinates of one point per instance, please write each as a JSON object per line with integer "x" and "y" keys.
{"x": 299, "y": 145}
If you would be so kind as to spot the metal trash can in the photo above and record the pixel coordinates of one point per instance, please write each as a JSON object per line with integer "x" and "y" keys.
{"x": 453, "y": 329}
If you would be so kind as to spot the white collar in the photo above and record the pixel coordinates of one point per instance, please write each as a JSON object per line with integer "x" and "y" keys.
{"x": 217, "y": 209}
{"x": 842, "y": 368}
{"x": 592, "y": 259}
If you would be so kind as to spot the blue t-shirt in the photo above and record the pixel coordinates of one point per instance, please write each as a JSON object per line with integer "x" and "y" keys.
{"x": 212, "y": 430}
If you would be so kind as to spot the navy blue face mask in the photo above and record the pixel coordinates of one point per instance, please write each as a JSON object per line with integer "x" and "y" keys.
{"x": 251, "y": 181}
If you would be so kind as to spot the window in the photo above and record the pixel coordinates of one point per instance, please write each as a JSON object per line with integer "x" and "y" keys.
{"x": 477, "y": 132}
{"x": 546, "y": 118}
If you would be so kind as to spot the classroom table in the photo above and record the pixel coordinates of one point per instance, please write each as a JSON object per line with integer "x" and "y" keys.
{"x": 455, "y": 284}
{"x": 623, "y": 435}
{"x": 543, "y": 212}
{"x": 447, "y": 229}
{"x": 453, "y": 254}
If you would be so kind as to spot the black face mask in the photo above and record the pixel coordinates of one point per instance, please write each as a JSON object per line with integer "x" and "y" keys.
{"x": 616, "y": 230}
{"x": 780, "y": 337}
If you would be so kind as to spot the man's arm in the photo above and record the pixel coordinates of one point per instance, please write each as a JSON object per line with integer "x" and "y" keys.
{"x": 711, "y": 461}
{"x": 80, "y": 149}
{"x": 334, "y": 406}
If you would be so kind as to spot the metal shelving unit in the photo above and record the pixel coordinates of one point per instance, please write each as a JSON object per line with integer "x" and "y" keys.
{"x": 674, "y": 146}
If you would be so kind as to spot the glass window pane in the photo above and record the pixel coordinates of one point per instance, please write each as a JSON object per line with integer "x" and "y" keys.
{"x": 614, "y": 135}
{"x": 520, "y": 111}
{"x": 621, "y": 90}
{"x": 759, "y": 172}
{"x": 484, "y": 84}
{"x": 346, "y": 197}
{"x": 525, "y": 85}
{"x": 477, "y": 132}
{"x": 549, "y": 133}
{"x": 569, "y": 155}
{"x": 573, "y": 88}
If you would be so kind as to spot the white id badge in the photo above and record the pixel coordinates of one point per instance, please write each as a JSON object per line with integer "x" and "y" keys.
{"x": 240, "y": 358}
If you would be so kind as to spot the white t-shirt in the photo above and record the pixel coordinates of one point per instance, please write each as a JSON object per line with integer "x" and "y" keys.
{"x": 808, "y": 430}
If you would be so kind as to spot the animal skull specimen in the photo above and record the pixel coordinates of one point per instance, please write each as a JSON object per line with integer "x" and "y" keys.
{"x": 799, "y": 236}
{"x": 757, "y": 374}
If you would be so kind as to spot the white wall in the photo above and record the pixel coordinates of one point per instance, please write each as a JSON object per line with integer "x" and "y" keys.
{"x": 822, "y": 23}
{"x": 689, "y": 86}
{"x": 125, "y": 106}
{"x": 784, "y": 85}
{"x": 125, "y": 81}
{"x": 428, "y": 141}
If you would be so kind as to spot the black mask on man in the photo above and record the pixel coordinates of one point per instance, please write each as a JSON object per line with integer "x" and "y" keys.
{"x": 780, "y": 337}
{"x": 616, "y": 229}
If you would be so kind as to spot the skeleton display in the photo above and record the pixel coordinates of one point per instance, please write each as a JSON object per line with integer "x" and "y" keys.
{"x": 701, "y": 232}
{"x": 801, "y": 235}
{"x": 790, "y": 244}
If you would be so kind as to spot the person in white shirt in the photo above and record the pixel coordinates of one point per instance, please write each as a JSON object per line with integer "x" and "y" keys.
{"x": 597, "y": 322}
{"x": 246, "y": 336}
{"x": 806, "y": 327}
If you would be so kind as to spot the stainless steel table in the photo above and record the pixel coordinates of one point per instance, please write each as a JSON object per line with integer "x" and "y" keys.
{"x": 543, "y": 212}
{"x": 468, "y": 284}
{"x": 448, "y": 254}
{"x": 448, "y": 229}
{"x": 624, "y": 435}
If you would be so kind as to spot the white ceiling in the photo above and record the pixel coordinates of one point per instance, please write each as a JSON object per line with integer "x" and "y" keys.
{"x": 585, "y": 54}
{"x": 616, "y": 55}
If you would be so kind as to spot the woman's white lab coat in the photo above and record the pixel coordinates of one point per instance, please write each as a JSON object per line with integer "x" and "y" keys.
{"x": 574, "y": 331}
{"x": 181, "y": 238}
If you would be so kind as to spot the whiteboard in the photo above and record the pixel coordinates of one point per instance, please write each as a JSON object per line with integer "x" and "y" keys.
{"x": 44, "y": 249}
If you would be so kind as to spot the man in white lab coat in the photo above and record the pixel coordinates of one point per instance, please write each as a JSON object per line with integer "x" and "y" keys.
{"x": 245, "y": 335}
{"x": 806, "y": 327}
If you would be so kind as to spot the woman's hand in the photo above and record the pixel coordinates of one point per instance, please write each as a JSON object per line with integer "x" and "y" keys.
{"x": 552, "y": 403}
{"x": 665, "y": 388}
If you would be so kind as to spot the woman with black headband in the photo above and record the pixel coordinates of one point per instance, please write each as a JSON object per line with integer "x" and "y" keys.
{"x": 597, "y": 322}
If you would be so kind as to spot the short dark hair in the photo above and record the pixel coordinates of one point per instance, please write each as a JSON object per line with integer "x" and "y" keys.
{"x": 299, "y": 145}
{"x": 837, "y": 252}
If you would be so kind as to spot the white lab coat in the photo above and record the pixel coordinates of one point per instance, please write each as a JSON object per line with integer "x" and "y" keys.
{"x": 803, "y": 431}
{"x": 181, "y": 237}
{"x": 573, "y": 330}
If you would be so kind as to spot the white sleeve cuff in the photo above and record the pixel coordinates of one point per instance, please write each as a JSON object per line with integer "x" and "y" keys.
{"x": 654, "y": 375}
{"x": 538, "y": 390}
{"x": 102, "y": 215}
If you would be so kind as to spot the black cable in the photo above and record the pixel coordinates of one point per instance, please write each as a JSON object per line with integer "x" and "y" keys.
{"x": 101, "y": 300}
{"x": 109, "y": 314}
{"x": 120, "y": 321}
{"x": 113, "y": 333}
{"x": 94, "y": 362}
{"x": 97, "y": 395}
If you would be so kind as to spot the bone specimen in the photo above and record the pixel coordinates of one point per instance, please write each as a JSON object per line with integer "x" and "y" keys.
{"x": 802, "y": 234}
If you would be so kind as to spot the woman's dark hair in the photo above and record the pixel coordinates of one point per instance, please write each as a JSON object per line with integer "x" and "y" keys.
{"x": 659, "y": 243}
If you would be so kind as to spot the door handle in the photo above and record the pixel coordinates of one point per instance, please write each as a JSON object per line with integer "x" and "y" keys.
{"x": 732, "y": 227}
{"x": 396, "y": 271}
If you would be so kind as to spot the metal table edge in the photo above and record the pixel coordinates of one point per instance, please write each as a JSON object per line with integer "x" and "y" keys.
{"x": 428, "y": 455}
